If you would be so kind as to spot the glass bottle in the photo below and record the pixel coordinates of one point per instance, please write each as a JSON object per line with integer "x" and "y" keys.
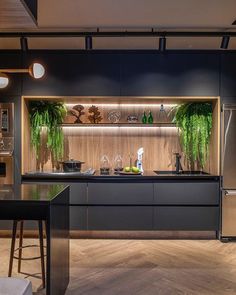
{"x": 104, "y": 165}
{"x": 163, "y": 115}
{"x": 150, "y": 118}
{"x": 144, "y": 118}
{"x": 118, "y": 164}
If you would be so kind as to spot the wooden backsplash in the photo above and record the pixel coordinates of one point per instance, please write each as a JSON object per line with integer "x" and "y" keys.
{"x": 90, "y": 144}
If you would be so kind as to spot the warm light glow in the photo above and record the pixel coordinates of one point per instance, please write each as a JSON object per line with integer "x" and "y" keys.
{"x": 123, "y": 104}
{"x": 4, "y": 80}
{"x": 118, "y": 127}
{"x": 36, "y": 70}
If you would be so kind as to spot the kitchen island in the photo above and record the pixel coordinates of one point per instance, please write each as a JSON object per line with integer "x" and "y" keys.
{"x": 175, "y": 202}
{"x": 49, "y": 203}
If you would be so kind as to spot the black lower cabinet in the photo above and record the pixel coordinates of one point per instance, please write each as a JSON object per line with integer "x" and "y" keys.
{"x": 120, "y": 218}
{"x": 186, "y": 218}
{"x": 78, "y": 217}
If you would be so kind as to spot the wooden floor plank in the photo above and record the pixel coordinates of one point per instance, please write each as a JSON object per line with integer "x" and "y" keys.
{"x": 141, "y": 267}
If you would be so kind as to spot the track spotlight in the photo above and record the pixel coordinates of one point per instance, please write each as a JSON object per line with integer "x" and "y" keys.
{"x": 23, "y": 44}
{"x": 225, "y": 42}
{"x": 88, "y": 43}
{"x": 162, "y": 44}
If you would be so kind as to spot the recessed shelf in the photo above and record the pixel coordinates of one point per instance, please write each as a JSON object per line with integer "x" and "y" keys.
{"x": 132, "y": 125}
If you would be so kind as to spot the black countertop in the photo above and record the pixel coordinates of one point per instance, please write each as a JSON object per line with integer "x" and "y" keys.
{"x": 30, "y": 192}
{"x": 146, "y": 176}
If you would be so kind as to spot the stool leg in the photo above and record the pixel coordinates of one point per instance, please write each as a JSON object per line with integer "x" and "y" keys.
{"x": 42, "y": 251}
{"x": 13, "y": 241}
{"x": 20, "y": 244}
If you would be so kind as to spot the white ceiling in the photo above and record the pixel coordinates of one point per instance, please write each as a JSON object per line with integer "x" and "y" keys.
{"x": 130, "y": 15}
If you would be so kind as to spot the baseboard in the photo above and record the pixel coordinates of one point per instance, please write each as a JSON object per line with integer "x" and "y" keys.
{"x": 76, "y": 234}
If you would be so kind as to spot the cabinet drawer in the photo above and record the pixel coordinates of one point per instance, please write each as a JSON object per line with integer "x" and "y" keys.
{"x": 120, "y": 193}
{"x": 120, "y": 218}
{"x": 186, "y": 218}
{"x": 78, "y": 217}
{"x": 78, "y": 193}
{"x": 188, "y": 193}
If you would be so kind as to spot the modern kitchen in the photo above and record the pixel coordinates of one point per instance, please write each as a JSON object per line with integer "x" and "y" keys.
{"x": 117, "y": 148}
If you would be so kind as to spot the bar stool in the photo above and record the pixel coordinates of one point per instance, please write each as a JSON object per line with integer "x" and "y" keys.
{"x": 21, "y": 247}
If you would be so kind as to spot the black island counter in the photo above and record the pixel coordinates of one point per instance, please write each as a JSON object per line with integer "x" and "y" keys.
{"x": 49, "y": 203}
{"x": 148, "y": 202}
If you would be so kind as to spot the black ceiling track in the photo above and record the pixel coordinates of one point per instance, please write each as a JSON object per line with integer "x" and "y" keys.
{"x": 98, "y": 33}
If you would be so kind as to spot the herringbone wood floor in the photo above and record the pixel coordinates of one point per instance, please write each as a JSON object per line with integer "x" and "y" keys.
{"x": 143, "y": 267}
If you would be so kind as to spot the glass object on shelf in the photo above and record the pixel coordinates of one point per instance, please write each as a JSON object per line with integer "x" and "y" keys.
{"x": 163, "y": 117}
{"x": 144, "y": 118}
{"x": 132, "y": 119}
{"x": 150, "y": 118}
{"x": 118, "y": 164}
{"x": 104, "y": 165}
{"x": 114, "y": 116}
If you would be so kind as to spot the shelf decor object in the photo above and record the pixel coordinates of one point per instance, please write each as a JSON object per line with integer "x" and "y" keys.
{"x": 77, "y": 111}
{"x": 49, "y": 114}
{"x": 114, "y": 116}
{"x": 95, "y": 116}
{"x": 195, "y": 123}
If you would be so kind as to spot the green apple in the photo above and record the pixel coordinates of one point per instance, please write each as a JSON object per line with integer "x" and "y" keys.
{"x": 127, "y": 169}
{"x": 135, "y": 169}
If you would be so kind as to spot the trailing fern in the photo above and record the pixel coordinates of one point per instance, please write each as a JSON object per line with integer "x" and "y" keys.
{"x": 48, "y": 114}
{"x": 195, "y": 123}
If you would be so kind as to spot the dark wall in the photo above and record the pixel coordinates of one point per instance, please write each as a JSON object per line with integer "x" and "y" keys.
{"x": 125, "y": 73}
{"x": 131, "y": 73}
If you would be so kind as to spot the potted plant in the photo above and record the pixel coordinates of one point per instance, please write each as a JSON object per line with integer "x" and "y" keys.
{"x": 194, "y": 121}
{"x": 48, "y": 115}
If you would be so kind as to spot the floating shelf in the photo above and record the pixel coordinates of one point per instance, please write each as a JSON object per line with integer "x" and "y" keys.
{"x": 154, "y": 125}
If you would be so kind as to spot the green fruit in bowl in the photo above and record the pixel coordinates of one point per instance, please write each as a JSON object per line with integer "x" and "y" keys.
{"x": 135, "y": 170}
{"x": 127, "y": 169}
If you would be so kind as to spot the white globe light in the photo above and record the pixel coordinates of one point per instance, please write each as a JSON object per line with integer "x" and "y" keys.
{"x": 36, "y": 70}
{"x": 3, "y": 80}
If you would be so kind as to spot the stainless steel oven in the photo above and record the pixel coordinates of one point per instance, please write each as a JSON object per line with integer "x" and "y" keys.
{"x": 6, "y": 143}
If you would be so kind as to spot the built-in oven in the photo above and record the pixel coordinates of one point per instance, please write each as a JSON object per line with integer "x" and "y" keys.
{"x": 6, "y": 143}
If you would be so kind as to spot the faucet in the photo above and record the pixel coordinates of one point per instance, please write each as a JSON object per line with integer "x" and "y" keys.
{"x": 178, "y": 166}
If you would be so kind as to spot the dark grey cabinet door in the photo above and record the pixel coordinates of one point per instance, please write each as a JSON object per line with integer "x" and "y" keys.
{"x": 186, "y": 218}
{"x": 120, "y": 193}
{"x": 78, "y": 193}
{"x": 120, "y": 218}
{"x": 78, "y": 217}
{"x": 186, "y": 193}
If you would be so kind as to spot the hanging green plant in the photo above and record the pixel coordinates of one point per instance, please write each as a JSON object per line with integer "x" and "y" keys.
{"x": 195, "y": 123}
{"x": 48, "y": 114}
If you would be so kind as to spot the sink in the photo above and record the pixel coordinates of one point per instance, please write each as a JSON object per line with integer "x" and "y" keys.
{"x": 186, "y": 172}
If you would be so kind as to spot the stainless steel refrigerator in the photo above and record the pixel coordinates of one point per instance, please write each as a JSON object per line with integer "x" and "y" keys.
{"x": 228, "y": 170}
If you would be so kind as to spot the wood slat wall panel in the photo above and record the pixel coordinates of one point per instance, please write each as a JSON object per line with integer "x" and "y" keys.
{"x": 89, "y": 145}
{"x": 14, "y": 15}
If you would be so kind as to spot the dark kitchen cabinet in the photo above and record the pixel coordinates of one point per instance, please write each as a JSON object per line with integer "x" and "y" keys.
{"x": 120, "y": 193}
{"x": 75, "y": 73}
{"x": 168, "y": 74}
{"x": 78, "y": 217}
{"x": 11, "y": 60}
{"x": 228, "y": 73}
{"x": 120, "y": 218}
{"x": 186, "y": 193}
{"x": 186, "y": 218}
{"x": 78, "y": 193}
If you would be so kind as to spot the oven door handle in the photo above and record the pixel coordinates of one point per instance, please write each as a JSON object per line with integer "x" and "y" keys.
{"x": 230, "y": 193}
